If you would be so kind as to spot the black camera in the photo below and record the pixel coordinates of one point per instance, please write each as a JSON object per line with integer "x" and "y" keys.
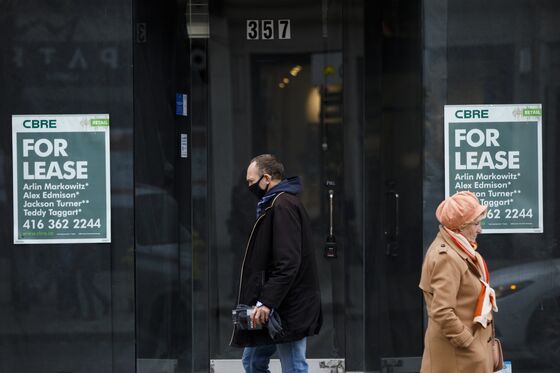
{"x": 242, "y": 318}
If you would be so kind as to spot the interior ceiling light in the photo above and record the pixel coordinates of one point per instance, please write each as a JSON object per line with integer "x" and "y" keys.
{"x": 295, "y": 70}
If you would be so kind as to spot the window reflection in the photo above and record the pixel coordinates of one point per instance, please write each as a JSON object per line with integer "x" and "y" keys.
{"x": 498, "y": 53}
{"x": 68, "y": 307}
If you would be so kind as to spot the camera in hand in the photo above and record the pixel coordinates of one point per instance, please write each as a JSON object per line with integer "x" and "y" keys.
{"x": 242, "y": 318}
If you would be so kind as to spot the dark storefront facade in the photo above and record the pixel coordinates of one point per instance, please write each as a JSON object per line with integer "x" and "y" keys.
{"x": 349, "y": 94}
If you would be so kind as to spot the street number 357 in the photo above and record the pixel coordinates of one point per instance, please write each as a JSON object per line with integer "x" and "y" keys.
{"x": 263, "y": 29}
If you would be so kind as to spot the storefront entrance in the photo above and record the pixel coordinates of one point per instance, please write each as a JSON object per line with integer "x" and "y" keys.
{"x": 331, "y": 95}
{"x": 349, "y": 94}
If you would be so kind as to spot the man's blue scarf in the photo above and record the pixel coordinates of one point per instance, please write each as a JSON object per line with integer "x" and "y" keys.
{"x": 290, "y": 185}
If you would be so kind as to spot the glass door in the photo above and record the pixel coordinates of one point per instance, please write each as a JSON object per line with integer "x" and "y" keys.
{"x": 393, "y": 138}
{"x": 272, "y": 76}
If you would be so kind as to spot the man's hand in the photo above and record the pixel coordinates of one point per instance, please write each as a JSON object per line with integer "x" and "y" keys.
{"x": 260, "y": 316}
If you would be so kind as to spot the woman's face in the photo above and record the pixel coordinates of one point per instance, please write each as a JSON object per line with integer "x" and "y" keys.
{"x": 471, "y": 231}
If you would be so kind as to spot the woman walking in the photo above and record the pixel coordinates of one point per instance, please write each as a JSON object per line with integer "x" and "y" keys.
{"x": 459, "y": 299}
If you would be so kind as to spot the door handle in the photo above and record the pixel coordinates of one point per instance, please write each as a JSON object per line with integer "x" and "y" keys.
{"x": 330, "y": 244}
{"x": 331, "y": 208}
{"x": 392, "y": 230}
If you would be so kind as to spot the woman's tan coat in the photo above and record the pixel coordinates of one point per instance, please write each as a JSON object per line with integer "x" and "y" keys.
{"x": 451, "y": 286}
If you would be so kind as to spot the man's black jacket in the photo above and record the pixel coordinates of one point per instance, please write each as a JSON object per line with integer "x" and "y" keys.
{"x": 279, "y": 270}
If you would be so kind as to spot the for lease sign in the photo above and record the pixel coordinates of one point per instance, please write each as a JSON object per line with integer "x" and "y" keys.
{"x": 495, "y": 151}
{"x": 61, "y": 178}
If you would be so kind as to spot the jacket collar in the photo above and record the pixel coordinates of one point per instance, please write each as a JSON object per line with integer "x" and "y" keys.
{"x": 273, "y": 200}
{"x": 270, "y": 205}
{"x": 470, "y": 263}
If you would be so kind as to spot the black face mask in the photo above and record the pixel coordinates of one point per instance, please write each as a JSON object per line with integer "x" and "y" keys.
{"x": 256, "y": 190}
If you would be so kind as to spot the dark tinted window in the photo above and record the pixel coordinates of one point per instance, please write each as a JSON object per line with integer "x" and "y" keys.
{"x": 501, "y": 52}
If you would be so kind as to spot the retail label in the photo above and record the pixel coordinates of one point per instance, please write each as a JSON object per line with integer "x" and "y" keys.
{"x": 495, "y": 151}
{"x": 61, "y": 179}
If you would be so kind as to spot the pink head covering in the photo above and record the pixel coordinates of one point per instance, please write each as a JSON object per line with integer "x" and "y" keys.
{"x": 458, "y": 210}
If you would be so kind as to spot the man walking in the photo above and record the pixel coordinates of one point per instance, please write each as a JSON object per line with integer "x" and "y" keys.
{"x": 278, "y": 274}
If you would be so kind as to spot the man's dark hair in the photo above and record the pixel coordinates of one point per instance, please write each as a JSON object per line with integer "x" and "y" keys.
{"x": 269, "y": 164}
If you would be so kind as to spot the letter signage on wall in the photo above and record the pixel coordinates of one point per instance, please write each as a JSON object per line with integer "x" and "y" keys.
{"x": 61, "y": 179}
{"x": 495, "y": 151}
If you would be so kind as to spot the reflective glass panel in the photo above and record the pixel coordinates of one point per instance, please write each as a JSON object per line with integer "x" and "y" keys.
{"x": 502, "y": 52}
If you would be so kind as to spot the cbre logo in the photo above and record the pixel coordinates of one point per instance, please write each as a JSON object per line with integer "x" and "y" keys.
{"x": 39, "y": 123}
{"x": 471, "y": 114}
